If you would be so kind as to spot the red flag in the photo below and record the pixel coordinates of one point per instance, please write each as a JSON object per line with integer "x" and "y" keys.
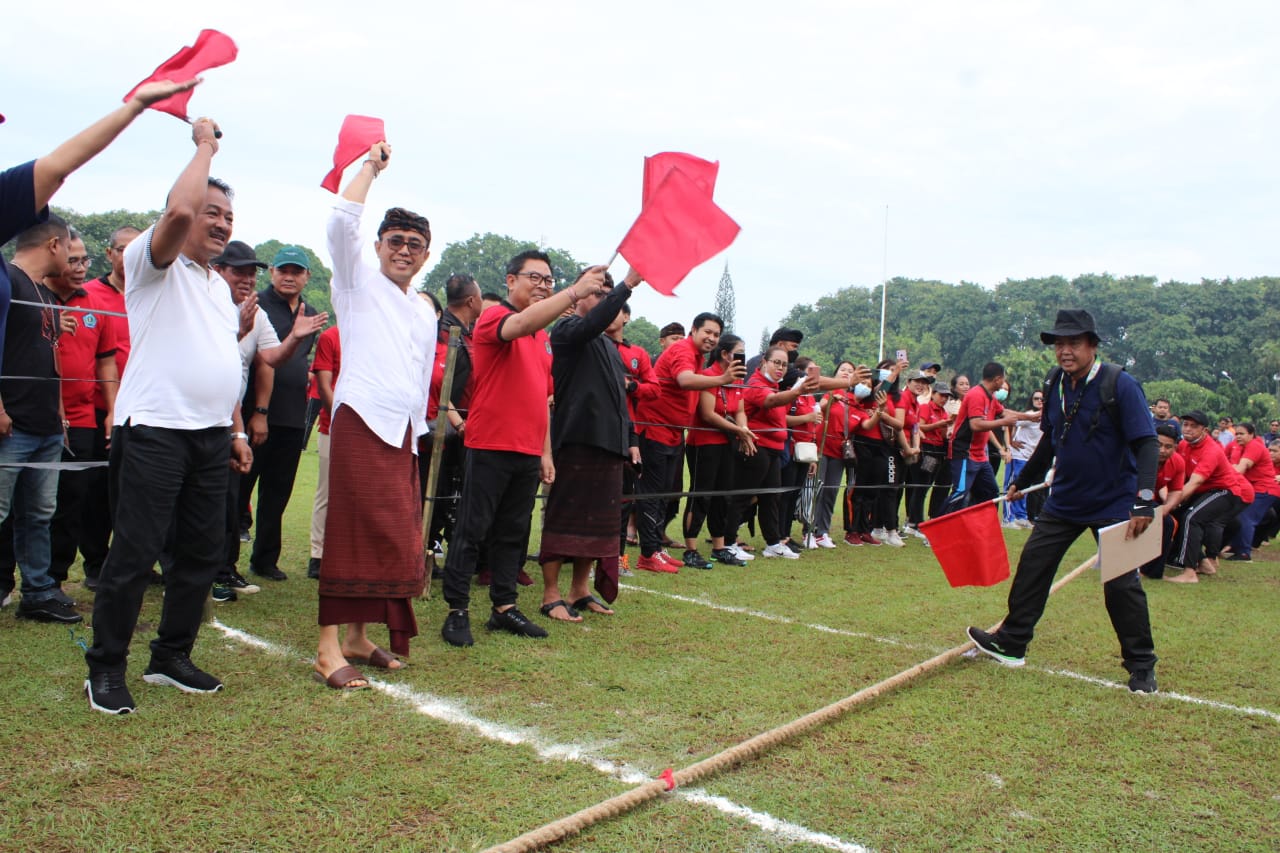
{"x": 211, "y": 49}
{"x": 656, "y": 168}
{"x": 969, "y": 545}
{"x": 358, "y": 133}
{"x": 678, "y": 229}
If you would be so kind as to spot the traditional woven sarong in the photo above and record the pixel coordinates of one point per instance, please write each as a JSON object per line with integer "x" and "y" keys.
{"x": 584, "y": 505}
{"x": 373, "y": 566}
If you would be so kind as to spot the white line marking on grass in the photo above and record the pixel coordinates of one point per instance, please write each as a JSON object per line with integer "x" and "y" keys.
{"x": 455, "y": 714}
{"x": 1063, "y": 673}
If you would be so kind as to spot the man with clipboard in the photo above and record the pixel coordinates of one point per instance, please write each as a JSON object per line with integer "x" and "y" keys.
{"x": 1097, "y": 425}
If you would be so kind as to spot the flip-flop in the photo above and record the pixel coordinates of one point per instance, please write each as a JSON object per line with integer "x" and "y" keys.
{"x": 547, "y": 608}
{"x": 584, "y": 605}
{"x": 379, "y": 659}
{"x": 341, "y": 678}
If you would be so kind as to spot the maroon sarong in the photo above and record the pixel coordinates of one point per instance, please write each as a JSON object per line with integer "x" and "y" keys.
{"x": 373, "y": 564}
{"x": 585, "y": 504}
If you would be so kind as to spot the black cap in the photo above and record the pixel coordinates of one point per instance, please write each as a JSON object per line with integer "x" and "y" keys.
{"x": 928, "y": 364}
{"x": 1197, "y": 416}
{"x": 238, "y": 254}
{"x": 1071, "y": 321}
{"x": 794, "y": 336}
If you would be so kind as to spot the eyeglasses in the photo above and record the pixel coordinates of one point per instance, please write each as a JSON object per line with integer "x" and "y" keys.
{"x": 1037, "y": 399}
{"x": 777, "y": 362}
{"x": 80, "y": 261}
{"x": 395, "y": 242}
{"x": 537, "y": 279}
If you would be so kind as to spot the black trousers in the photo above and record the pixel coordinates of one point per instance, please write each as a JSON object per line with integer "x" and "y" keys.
{"x": 444, "y": 511}
{"x": 1196, "y": 521}
{"x": 761, "y": 471}
{"x": 875, "y": 501}
{"x": 95, "y": 528}
{"x": 498, "y": 490}
{"x": 710, "y": 470}
{"x": 158, "y": 475}
{"x": 920, "y": 481}
{"x": 275, "y": 465}
{"x": 1125, "y": 599}
{"x": 68, "y": 519}
{"x": 661, "y": 466}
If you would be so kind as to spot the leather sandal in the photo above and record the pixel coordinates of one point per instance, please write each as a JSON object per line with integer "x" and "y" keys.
{"x": 342, "y": 678}
{"x": 379, "y": 659}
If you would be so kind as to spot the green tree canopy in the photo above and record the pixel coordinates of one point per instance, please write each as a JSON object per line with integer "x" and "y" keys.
{"x": 643, "y": 333}
{"x": 485, "y": 256}
{"x": 316, "y": 293}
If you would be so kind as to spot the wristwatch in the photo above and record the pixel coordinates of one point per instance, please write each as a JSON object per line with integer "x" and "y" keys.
{"x": 261, "y": 410}
{"x": 1146, "y": 495}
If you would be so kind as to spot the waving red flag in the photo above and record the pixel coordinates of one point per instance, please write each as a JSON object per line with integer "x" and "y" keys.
{"x": 679, "y": 228}
{"x": 358, "y": 133}
{"x": 211, "y": 50}
{"x": 656, "y": 168}
{"x": 969, "y": 545}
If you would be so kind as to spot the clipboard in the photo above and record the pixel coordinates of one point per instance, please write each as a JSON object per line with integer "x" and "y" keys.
{"x": 1118, "y": 556}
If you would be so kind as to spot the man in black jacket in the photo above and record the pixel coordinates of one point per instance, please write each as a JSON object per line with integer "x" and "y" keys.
{"x": 591, "y": 438}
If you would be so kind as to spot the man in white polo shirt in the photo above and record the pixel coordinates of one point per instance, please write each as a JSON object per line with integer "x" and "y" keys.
{"x": 176, "y": 426}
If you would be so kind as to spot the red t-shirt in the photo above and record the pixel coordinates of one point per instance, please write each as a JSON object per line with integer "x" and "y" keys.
{"x": 510, "y": 384}
{"x": 727, "y": 398}
{"x": 863, "y": 411}
{"x": 838, "y": 425}
{"x": 769, "y": 423}
{"x": 672, "y": 409}
{"x": 808, "y": 431}
{"x": 1208, "y": 459}
{"x": 1172, "y": 474}
{"x": 111, "y": 299}
{"x": 1234, "y": 451}
{"x": 328, "y": 357}
{"x": 1262, "y": 473}
{"x": 978, "y": 403}
{"x": 909, "y": 405}
{"x": 77, "y": 358}
{"x": 639, "y": 368}
{"x": 928, "y": 413}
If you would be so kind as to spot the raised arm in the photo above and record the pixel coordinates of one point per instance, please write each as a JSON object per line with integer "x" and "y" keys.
{"x": 187, "y": 199}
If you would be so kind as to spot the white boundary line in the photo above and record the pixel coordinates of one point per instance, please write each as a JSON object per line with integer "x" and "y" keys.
{"x": 1063, "y": 673}
{"x": 453, "y": 713}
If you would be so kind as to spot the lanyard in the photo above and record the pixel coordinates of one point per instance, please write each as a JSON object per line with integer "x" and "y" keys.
{"x": 1070, "y": 417}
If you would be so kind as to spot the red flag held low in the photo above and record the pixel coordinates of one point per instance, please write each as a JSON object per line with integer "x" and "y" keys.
{"x": 679, "y": 228}
{"x": 358, "y": 133}
{"x": 969, "y": 545}
{"x": 656, "y": 168}
{"x": 211, "y": 50}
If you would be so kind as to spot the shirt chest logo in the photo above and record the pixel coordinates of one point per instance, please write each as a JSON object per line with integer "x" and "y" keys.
{"x": 90, "y": 321}
{"x": 635, "y": 363}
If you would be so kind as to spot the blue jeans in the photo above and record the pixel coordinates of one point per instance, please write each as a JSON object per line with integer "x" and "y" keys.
{"x": 31, "y": 494}
{"x": 1253, "y": 513}
{"x": 971, "y": 483}
{"x": 1014, "y": 510}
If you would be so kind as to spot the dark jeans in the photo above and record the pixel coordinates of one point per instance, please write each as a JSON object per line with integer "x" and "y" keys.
{"x": 68, "y": 518}
{"x": 1249, "y": 517}
{"x": 1197, "y": 521}
{"x": 157, "y": 475}
{"x": 760, "y": 471}
{"x": 971, "y": 483}
{"x": 710, "y": 470}
{"x": 498, "y": 489}
{"x": 275, "y": 465}
{"x": 661, "y": 465}
{"x": 1125, "y": 599}
{"x": 95, "y": 528}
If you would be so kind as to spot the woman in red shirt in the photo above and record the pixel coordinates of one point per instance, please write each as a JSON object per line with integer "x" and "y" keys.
{"x": 759, "y": 467}
{"x": 804, "y": 420}
{"x": 1254, "y": 462}
{"x": 875, "y": 511}
{"x": 833, "y": 466}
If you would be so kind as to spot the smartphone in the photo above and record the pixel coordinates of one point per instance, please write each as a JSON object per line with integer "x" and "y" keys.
{"x": 740, "y": 357}
{"x": 902, "y": 355}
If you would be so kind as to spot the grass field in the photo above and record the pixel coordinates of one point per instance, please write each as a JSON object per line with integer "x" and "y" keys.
{"x": 468, "y": 748}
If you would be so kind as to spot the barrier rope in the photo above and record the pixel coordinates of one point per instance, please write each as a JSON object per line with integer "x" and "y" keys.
{"x": 742, "y": 752}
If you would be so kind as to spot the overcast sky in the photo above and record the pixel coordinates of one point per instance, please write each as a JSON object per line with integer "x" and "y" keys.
{"x": 1005, "y": 140}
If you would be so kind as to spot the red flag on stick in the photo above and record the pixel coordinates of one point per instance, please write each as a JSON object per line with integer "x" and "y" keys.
{"x": 211, "y": 50}
{"x": 679, "y": 228}
{"x": 358, "y": 133}
{"x": 969, "y": 545}
{"x": 656, "y": 168}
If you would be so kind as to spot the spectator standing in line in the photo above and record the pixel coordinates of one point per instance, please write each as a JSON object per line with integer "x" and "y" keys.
{"x": 325, "y": 368}
{"x": 1022, "y": 441}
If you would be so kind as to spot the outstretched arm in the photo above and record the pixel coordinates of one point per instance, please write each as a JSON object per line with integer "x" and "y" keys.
{"x": 378, "y": 159}
{"x": 187, "y": 198}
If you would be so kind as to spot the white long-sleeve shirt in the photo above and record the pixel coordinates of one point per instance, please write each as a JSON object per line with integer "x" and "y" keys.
{"x": 388, "y": 337}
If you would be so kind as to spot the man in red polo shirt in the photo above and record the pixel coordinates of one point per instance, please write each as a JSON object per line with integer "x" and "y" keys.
{"x": 982, "y": 410}
{"x": 1213, "y": 494}
{"x": 664, "y": 420}
{"x": 508, "y": 442}
{"x": 1170, "y": 481}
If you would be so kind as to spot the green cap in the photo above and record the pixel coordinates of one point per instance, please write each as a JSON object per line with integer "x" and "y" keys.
{"x": 291, "y": 255}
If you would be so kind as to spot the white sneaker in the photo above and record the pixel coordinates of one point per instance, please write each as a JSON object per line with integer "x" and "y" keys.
{"x": 1010, "y": 525}
{"x": 925, "y": 541}
{"x": 780, "y": 550}
{"x": 908, "y": 528}
{"x": 894, "y": 539}
{"x": 824, "y": 541}
{"x": 880, "y": 535}
{"x": 741, "y": 554}
{"x": 1024, "y": 523}
{"x": 810, "y": 543}
{"x": 914, "y": 531}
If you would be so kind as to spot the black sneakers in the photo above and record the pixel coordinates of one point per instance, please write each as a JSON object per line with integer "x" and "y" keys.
{"x": 313, "y": 568}
{"x": 236, "y": 581}
{"x": 222, "y": 593}
{"x": 694, "y": 560}
{"x": 987, "y": 644}
{"x": 271, "y": 574}
{"x": 727, "y": 556}
{"x": 514, "y": 622}
{"x": 457, "y": 629}
{"x": 181, "y": 673}
{"x": 107, "y": 693}
{"x": 49, "y": 610}
{"x": 1142, "y": 681}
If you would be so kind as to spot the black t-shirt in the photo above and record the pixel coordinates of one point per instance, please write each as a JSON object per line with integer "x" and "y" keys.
{"x": 28, "y": 351}
{"x": 288, "y": 407}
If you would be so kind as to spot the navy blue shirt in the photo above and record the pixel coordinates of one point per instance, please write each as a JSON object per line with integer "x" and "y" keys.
{"x": 17, "y": 214}
{"x": 1095, "y": 478}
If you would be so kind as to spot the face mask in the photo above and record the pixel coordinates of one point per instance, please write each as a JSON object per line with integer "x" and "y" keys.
{"x": 884, "y": 375}
{"x": 861, "y": 392}
{"x": 1001, "y": 395}
{"x": 792, "y": 355}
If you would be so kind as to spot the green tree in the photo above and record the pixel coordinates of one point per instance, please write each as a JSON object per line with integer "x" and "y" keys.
{"x": 1183, "y": 396}
{"x": 316, "y": 293}
{"x": 485, "y": 256}
{"x": 1260, "y": 409}
{"x": 644, "y": 334}
{"x": 95, "y": 229}
{"x": 726, "y": 305}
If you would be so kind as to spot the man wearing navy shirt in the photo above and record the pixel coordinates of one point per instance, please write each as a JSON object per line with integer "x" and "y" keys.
{"x": 1088, "y": 436}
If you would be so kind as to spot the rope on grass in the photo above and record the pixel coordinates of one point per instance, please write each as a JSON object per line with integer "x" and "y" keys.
{"x": 564, "y": 827}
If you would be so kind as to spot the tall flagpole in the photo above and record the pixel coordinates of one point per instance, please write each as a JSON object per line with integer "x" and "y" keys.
{"x": 884, "y": 282}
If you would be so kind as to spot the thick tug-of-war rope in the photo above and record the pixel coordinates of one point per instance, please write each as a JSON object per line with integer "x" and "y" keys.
{"x": 734, "y": 755}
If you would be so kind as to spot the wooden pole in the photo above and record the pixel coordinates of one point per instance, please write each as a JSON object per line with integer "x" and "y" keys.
{"x": 437, "y": 452}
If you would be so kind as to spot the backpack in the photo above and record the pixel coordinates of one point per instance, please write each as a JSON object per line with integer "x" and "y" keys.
{"x": 1107, "y": 377}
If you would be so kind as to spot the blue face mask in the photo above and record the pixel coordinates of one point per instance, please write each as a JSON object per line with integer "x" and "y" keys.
{"x": 884, "y": 375}
{"x": 862, "y": 392}
{"x": 1001, "y": 395}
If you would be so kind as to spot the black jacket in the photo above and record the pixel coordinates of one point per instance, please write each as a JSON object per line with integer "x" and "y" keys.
{"x": 590, "y": 383}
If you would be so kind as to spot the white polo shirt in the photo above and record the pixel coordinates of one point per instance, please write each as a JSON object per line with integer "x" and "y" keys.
{"x": 184, "y": 365}
{"x": 261, "y": 337}
{"x": 388, "y": 337}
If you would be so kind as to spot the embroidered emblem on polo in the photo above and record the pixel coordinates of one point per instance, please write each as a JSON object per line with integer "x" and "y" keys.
{"x": 635, "y": 364}
{"x": 90, "y": 321}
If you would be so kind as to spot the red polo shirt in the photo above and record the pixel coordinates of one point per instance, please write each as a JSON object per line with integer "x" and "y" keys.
{"x": 978, "y": 403}
{"x": 111, "y": 299}
{"x": 727, "y": 398}
{"x": 1172, "y": 474}
{"x": 671, "y": 410}
{"x": 769, "y": 423}
{"x": 928, "y": 413}
{"x": 863, "y": 411}
{"x": 1208, "y": 459}
{"x": 77, "y": 358}
{"x": 808, "y": 431}
{"x": 838, "y": 424}
{"x": 1262, "y": 473}
{"x": 328, "y": 357}
{"x": 510, "y": 384}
